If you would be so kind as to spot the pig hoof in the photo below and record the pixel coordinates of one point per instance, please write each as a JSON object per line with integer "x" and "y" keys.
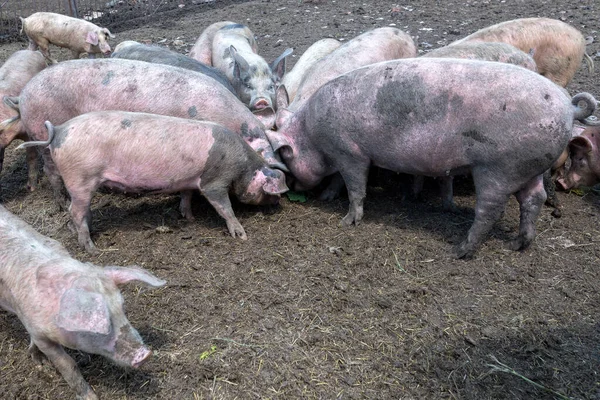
{"x": 237, "y": 230}
{"x": 349, "y": 220}
{"x": 328, "y": 195}
{"x": 520, "y": 243}
{"x": 557, "y": 213}
{"x": 464, "y": 251}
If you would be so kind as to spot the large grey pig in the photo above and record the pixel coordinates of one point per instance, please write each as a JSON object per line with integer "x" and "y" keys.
{"x": 132, "y": 50}
{"x": 584, "y": 151}
{"x": 65, "y": 303}
{"x": 291, "y": 80}
{"x": 253, "y": 79}
{"x": 159, "y": 155}
{"x": 78, "y": 35}
{"x": 16, "y": 71}
{"x": 558, "y": 48}
{"x": 436, "y": 117}
{"x": 202, "y": 49}
{"x": 75, "y": 87}
{"x": 380, "y": 44}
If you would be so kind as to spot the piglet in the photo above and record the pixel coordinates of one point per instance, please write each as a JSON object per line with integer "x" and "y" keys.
{"x": 78, "y": 35}
{"x": 161, "y": 155}
{"x": 65, "y": 303}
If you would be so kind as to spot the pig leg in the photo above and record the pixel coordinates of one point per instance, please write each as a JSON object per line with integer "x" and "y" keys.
{"x": 45, "y": 50}
{"x": 55, "y": 180}
{"x": 82, "y": 216}
{"x": 35, "y": 353}
{"x": 67, "y": 368}
{"x": 32, "y": 168}
{"x": 417, "y": 186}
{"x": 332, "y": 191}
{"x": 219, "y": 199}
{"x": 356, "y": 183}
{"x": 552, "y": 198}
{"x": 447, "y": 192}
{"x": 531, "y": 199}
{"x": 489, "y": 207}
{"x": 185, "y": 206}
{"x": 75, "y": 54}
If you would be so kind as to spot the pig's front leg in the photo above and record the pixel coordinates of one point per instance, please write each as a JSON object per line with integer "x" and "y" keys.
{"x": 332, "y": 191}
{"x": 356, "y": 184}
{"x": 67, "y": 368}
{"x": 219, "y": 198}
{"x": 185, "y": 205}
{"x": 447, "y": 193}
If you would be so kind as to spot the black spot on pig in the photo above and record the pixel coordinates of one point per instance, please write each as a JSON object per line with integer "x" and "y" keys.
{"x": 547, "y": 96}
{"x": 107, "y": 78}
{"x": 251, "y": 134}
{"x": 59, "y": 137}
{"x": 131, "y": 88}
{"x": 192, "y": 111}
{"x": 476, "y": 136}
{"x": 504, "y": 107}
{"x": 126, "y": 123}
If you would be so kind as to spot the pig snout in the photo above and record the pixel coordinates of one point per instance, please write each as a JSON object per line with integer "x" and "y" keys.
{"x": 261, "y": 104}
{"x": 141, "y": 356}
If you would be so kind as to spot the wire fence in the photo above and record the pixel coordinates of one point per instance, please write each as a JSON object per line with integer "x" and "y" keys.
{"x": 111, "y": 14}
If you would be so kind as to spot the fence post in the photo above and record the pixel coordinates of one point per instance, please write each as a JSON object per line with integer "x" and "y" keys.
{"x": 72, "y": 7}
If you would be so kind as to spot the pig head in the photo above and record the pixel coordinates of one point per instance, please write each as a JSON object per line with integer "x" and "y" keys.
{"x": 584, "y": 151}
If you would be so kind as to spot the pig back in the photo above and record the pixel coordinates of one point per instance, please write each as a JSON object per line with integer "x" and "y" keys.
{"x": 374, "y": 46}
{"x": 441, "y": 116}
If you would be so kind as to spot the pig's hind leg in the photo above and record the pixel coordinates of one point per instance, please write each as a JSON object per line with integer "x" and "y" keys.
{"x": 81, "y": 215}
{"x": 531, "y": 199}
{"x": 218, "y": 197}
{"x": 67, "y": 368}
{"x": 489, "y": 207}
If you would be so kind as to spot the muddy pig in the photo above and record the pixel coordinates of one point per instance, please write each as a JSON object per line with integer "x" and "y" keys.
{"x": 16, "y": 71}
{"x": 65, "y": 303}
{"x": 558, "y": 48}
{"x": 380, "y": 44}
{"x": 160, "y": 155}
{"x": 253, "y": 79}
{"x": 584, "y": 151}
{"x": 109, "y": 84}
{"x": 78, "y": 35}
{"x": 202, "y": 49}
{"x": 131, "y": 50}
{"x": 291, "y": 80}
{"x": 503, "y": 124}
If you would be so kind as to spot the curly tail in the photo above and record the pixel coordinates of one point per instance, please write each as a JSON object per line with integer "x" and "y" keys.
{"x": 589, "y": 62}
{"x": 582, "y": 112}
{"x": 45, "y": 143}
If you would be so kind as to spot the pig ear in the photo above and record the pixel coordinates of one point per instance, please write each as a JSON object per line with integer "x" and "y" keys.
{"x": 83, "y": 311}
{"x": 277, "y": 140}
{"x": 12, "y": 102}
{"x": 278, "y": 66}
{"x": 105, "y": 30}
{"x": 282, "y": 98}
{"x": 274, "y": 184}
{"x": 240, "y": 62}
{"x": 92, "y": 38}
{"x": 580, "y": 144}
{"x": 122, "y": 275}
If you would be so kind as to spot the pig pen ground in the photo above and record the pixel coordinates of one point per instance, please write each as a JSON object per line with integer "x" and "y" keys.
{"x": 307, "y": 309}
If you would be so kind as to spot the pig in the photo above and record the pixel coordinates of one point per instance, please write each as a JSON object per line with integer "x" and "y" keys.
{"x": 16, "y": 71}
{"x": 66, "y": 303}
{"x": 160, "y": 155}
{"x": 503, "y": 124}
{"x": 78, "y": 35}
{"x": 202, "y": 49}
{"x": 131, "y": 50}
{"x": 584, "y": 151}
{"x": 380, "y": 44}
{"x": 291, "y": 80}
{"x": 558, "y": 47}
{"x": 253, "y": 79}
{"x": 75, "y": 87}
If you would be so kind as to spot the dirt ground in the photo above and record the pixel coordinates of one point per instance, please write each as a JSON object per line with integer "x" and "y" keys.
{"x": 307, "y": 309}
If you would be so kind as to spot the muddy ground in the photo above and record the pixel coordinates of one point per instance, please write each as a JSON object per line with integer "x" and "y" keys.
{"x": 307, "y": 309}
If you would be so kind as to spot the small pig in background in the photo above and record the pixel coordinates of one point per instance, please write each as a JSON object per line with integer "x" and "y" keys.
{"x": 66, "y": 303}
{"x": 291, "y": 80}
{"x": 202, "y": 49}
{"x": 254, "y": 80}
{"x": 161, "y": 155}
{"x": 16, "y": 71}
{"x": 558, "y": 47}
{"x": 132, "y": 50}
{"x": 77, "y": 35}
